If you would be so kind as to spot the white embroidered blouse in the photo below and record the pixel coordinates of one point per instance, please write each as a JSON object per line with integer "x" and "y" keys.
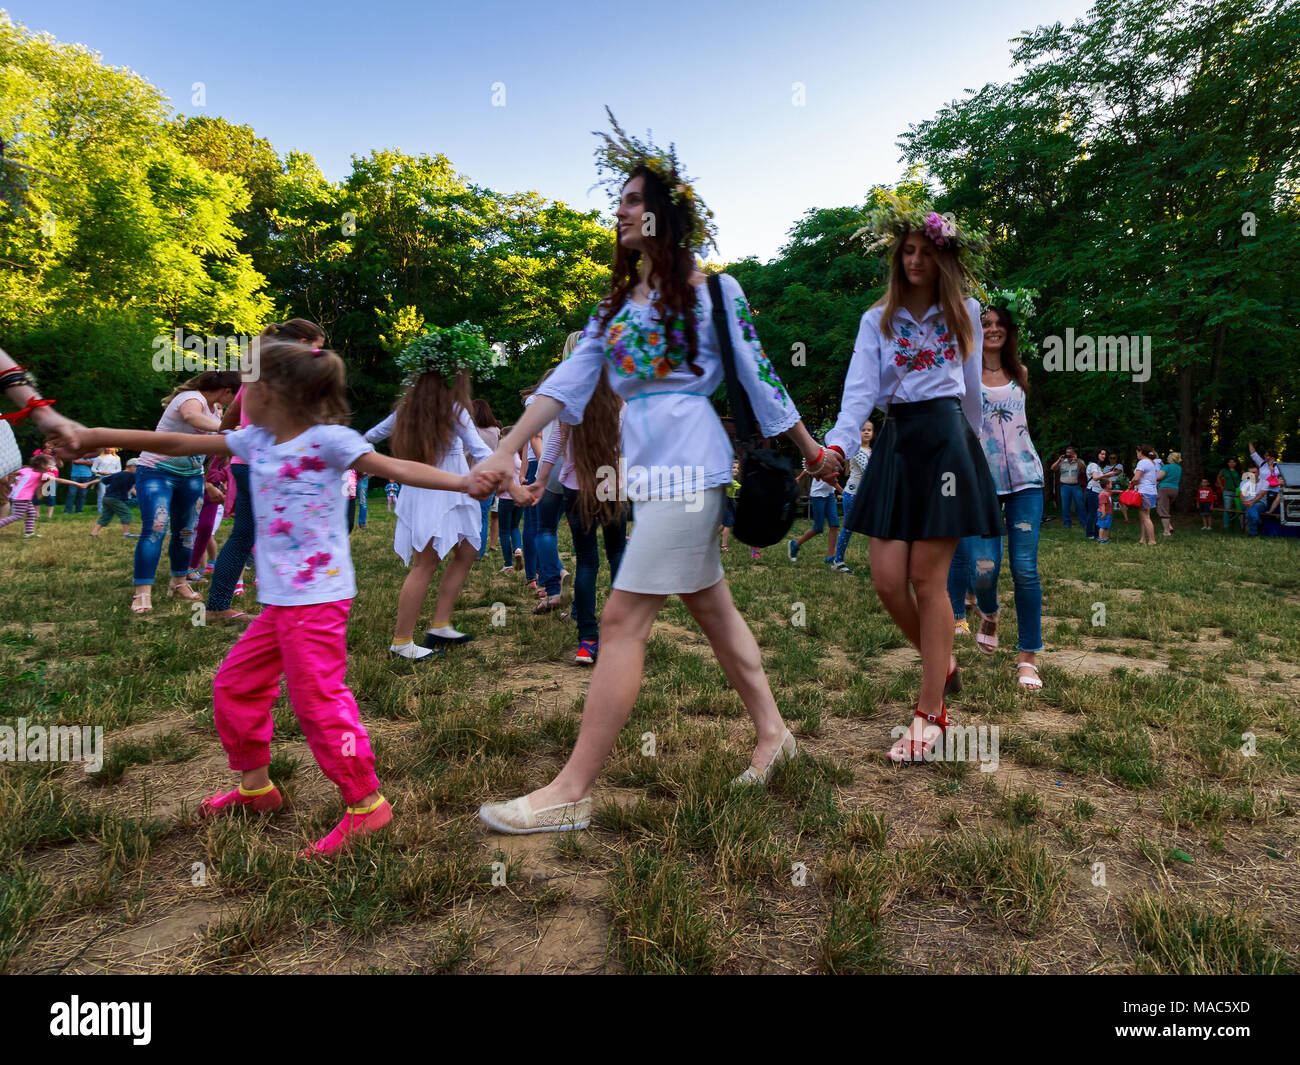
{"x": 669, "y": 422}
{"x": 920, "y": 361}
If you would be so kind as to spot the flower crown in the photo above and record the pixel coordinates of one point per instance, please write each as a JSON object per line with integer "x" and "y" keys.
{"x": 898, "y": 213}
{"x": 448, "y": 352}
{"x": 1019, "y": 301}
{"x": 619, "y": 155}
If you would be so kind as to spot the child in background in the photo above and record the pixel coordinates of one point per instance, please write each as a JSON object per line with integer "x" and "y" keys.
{"x": 1105, "y": 511}
{"x": 390, "y": 490}
{"x": 296, "y": 448}
{"x": 1205, "y": 501}
{"x": 363, "y": 487}
{"x": 350, "y": 494}
{"x": 40, "y": 473}
{"x": 729, "y": 507}
{"x": 49, "y": 491}
{"x": 857, "y": 468}
{"x": 118, "y": 488}
{"x": 218, "y": 499}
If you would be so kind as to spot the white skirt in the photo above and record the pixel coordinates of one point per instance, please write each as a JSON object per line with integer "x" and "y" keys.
{"x": 674, "y": 546}
{"x": 438, "y": 520}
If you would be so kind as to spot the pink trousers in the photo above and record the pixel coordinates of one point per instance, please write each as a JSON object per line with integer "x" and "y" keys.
{"x": 308, "y": 645}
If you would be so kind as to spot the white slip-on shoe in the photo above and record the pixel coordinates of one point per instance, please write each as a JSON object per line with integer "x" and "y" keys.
{"x": 412, "y": 650}
{"x": 518, "y": 818}
{"x": 784, "y": 753}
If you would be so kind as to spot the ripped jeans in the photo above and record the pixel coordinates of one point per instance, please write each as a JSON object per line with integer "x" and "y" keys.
{"x": 977, "y": 561}
{"x": 165, "y": 498}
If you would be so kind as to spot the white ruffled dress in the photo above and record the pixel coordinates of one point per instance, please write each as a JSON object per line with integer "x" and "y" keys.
{"x": 427, "y": 517}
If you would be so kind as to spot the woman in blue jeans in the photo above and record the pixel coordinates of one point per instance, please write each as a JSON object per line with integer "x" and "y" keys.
{"x": 586, "y": 455}
{"x": 170, "y": 488}
{"x": 1018, "y": 477}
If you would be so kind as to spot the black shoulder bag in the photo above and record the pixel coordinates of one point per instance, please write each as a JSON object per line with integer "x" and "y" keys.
{"x": 765, "y": 504}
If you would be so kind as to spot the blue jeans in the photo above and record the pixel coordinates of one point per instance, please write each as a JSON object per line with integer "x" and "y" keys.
{"x": 76, "y": 493}
{"x": 100, "y": 489}
{"x": 1255, "y": 516}
{"x": 530, "y": 529}
{"x": 165, "y": 498}
{"x": 1090, "y": 502}
{"x": 845, "y": 531}
{"x": 1231, "y": 509}
{"x": 363, "y": 486}
{"x": 1071, "y": 496}
{"x": 508, "y": 517}
{"x": 977, "y": 561}
{"x": 485, "y": 505}
{"x": 549, "y": 508}
{"x": 588, "y": 564}
{"x": 230, "y": 563}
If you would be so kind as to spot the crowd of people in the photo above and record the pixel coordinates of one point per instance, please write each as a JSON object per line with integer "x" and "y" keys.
{"x": 936, "y": 486}
{"x": 1089, "y": 492}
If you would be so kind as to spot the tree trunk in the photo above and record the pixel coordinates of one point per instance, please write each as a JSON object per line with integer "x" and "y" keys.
{"x": 1189, "y": 439}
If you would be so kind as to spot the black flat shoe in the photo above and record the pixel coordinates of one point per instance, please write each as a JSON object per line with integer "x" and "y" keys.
{"x": 435, "y": 642}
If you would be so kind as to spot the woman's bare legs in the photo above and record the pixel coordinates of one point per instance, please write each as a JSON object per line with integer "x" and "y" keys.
{"x": 911, "y": 580}
{"x": 624, "y": 628}
{"x": 462, "y": 559}
{"x": 1148, "y": 530}
{"x": 424, "y": 564}
{"x": 738, "y": 655}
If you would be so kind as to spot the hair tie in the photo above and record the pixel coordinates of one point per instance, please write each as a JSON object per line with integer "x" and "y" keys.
{"x": 316, "y": 351}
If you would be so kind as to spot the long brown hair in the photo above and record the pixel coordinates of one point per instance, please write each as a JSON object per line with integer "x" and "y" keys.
{"x": 953, "y": 281}
{"x": 597, "y": 442}
{"x": 671, "y": 267}
{"x": 483, "y": 416}
{"x": 427, "y": 414}
{"x": 311, "y": 382}
{"x": 1011, "y": 349}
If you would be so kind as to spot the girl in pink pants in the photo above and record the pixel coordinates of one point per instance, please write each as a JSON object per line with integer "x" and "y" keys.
{"x": 297, "y": 449}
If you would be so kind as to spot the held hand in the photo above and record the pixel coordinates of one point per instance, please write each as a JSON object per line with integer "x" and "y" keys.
{"x": 479, "y": 483}
{"x": 70, "y": 440}
{"x": 498, "y": 469}
{"x": 60, "y": 432}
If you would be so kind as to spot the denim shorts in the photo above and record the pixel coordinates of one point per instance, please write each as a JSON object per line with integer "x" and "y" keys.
{"x": 823, "y": 510}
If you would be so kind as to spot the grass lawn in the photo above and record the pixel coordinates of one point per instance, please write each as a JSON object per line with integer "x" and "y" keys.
{"x": 1123, "y": 829}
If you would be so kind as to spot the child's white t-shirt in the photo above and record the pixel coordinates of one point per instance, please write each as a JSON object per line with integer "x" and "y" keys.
{"x": 300, "y": 516}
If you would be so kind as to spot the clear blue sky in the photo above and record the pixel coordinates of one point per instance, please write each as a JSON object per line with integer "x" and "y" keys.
{"x": 337, "y": 79}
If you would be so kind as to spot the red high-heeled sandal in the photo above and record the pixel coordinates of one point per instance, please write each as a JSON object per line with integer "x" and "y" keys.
{"x": 910, "y": 749}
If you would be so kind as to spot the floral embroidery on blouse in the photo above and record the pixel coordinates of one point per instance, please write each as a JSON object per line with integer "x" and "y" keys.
{"x": 907, "y": 347}
{"x": 765, "y": 372}
{"x": 644, "y": 350}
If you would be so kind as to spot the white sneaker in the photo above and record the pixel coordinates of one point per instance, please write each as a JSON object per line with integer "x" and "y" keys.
{"x": 410, "y": 650}
{"x": 518, "y": 818}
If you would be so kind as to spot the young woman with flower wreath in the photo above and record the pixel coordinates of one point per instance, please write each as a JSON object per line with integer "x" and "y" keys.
{"x": 653, "y": 337}
{"x": 917, "y": 358}
{"x": 432, "y": 424}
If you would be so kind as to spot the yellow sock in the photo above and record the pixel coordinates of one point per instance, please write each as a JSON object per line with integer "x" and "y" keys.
{"x": 401, "y": 643}
{"x": 257, "y": 791}
{"x": 368, "y": 809}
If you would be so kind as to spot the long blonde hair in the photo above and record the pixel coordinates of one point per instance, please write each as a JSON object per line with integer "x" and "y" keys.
{"x": 953, "y": 285}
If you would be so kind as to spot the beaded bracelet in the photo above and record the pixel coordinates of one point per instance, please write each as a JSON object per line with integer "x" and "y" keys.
{"x": 14, "y": 377}
{"x": 817, "y": 462}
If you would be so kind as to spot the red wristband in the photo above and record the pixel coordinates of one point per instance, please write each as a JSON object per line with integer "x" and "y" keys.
{"x": 32, "y": 403}
{"x": 836, "y": 447}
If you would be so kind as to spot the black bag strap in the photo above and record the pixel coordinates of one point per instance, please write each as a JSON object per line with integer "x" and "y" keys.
{"x": 741, "y": 411}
